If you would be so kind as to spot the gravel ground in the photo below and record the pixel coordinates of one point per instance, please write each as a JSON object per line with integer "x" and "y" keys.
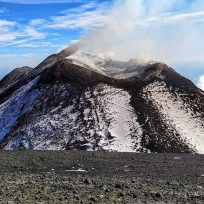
{"x": 100, "y": 177}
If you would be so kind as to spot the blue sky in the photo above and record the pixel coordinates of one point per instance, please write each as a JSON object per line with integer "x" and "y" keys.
{"x": 33, "y": 29}
{"x": 30, "y": 30}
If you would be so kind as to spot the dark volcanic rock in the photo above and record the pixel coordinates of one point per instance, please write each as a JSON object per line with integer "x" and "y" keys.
{"x": 14, "y": 76}
{"x": 26, "y": 180}
{"x": 65, "y": 104}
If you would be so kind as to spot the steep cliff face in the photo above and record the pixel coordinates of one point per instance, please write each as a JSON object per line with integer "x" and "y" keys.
{"x": 65, "y": 103}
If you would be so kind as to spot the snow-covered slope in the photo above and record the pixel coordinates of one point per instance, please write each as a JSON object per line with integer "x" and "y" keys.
{"x": 101, "y": 104}
{"x": 177, "y": 113}
{"x": 18, "y": 104}
{"x": 100, "y": 119}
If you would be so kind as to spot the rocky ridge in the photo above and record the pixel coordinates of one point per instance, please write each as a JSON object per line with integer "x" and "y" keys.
{"x": 67, "y": 104}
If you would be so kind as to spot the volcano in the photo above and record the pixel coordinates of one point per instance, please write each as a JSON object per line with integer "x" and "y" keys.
{"x": 80, "y": 101}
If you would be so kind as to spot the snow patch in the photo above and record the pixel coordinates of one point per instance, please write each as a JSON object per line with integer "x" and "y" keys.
{"x": 175, "y": 112}
{"x": 115, "y": 120}
{"x": 18, "y": 104}
{"x": 76, "y": 170}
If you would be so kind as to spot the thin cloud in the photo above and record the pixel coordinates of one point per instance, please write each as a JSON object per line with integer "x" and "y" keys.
{"x": 5, "y": 38}
{"x": 86, "y": 16}
{"x": 194, "y": 16}
{"x": 90, "y": 15}
{"x": 32, "y": 32}
{"x": 12, "y": 33}
{"x": 41, "y": 1}
{"x": 4, "y": 23}
{"x": 85, "y": 20}
{"x": 34, "y": 44}
{"x": 170, "y": 18}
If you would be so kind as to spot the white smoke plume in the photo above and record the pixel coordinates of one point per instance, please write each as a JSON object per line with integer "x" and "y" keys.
{"x": 200, "y": 82}
{"x": 170, "y": 31}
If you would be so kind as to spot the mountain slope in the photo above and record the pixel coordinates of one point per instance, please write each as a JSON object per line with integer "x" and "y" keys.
{"x": 65, "y": 103}
{"x": 14, "y": 76}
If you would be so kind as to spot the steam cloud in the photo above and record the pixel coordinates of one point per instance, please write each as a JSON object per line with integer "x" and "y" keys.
{"x": 163, "y": 30}
{"x": 200, "y": 82}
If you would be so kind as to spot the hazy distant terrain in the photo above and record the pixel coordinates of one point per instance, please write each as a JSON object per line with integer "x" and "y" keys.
{"x": 100, "y": 177}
